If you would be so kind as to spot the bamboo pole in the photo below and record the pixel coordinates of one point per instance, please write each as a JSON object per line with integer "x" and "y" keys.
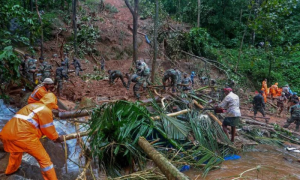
{"x": 82, "y": 174}
{"x": 76, "y": 135}
{"x": 173, "y": 114}
{"x": 211, "y": 115}
{"x": 168, "y": 169}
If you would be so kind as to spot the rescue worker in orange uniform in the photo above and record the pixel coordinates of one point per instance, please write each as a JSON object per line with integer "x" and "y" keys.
{"x": 273, "y": 90}
{"x": 41, "y": 90}
{"x": 265, "y": 87}
{"x": 264, "y": 95}
{"x": 23, "y": 132}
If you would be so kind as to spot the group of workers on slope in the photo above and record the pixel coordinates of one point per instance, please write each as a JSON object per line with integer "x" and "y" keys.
{"x": 37, "y": 72}
{"x": 140, "y": 77}
{"x": 282, "y": 95}
{"x": 142, "y": 74}
{"x": 23, "y": 131}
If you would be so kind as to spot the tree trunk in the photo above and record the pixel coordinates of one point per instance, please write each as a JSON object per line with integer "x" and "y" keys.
{"x": 134, "y": 13}
{"x": 74, "y": 26}
{"x": 42, "y": 33}
{"x": 31, "y": 5}
{"x": 199, "y": 13}
{"x": 168, "y": 169}
{"x": 74, "y": 114}
{"x": 155, "y": 42}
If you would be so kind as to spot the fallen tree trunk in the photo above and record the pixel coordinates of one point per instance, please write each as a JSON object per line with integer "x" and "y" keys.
{"x": 168, "y": 169}
{"x": 211, "y": 115}
{"x": 74, "y": 114}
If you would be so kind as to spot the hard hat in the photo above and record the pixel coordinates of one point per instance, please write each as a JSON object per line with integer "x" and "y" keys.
{"x": 48, "y": 81}
{"x": 276, "y": 83}
{"x": 294, "y": 93}
{"x": 282, "y": 93}
{"x": 54, "y": 55}
{"x": 193, "y": 72}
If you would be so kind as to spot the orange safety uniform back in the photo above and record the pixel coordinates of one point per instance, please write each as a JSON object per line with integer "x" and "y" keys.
{"x": 37, "y": 94}
{"x": 273, "y": 89}
{"x": 28, "y": 125}
{"x": 23, "y": 131}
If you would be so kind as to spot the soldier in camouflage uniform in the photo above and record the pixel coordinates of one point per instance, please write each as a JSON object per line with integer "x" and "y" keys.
{"x": 77, "y": 66}
{"x": 66, "y": 62}
{"x": 30, "y": 69}
{"x": 143, "y": 70}
{"x": 45, "y": 69}
{"x": 24, "y": 64}
{"x": 139, "y": 80}
{"x": 113, "y": 75}
{"x": 186, "y": 82}
{"x": 173, "y": 75}
{"x": 60, "y": 75}
{"x": 295, "y": 116}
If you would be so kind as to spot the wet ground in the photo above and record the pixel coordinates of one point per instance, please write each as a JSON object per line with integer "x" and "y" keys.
{"x": 267, "y": 163}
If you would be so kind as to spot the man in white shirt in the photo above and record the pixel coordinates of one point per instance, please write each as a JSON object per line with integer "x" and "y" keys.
{"x": 231, "y": 103}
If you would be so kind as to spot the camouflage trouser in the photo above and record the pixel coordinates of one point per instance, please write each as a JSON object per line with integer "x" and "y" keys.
{"x": 46, "y": 75}
{"x": 77, "y": 69}
{"x": 259, "y": 109}
{"x": 136, "y": 88}
{"x": 59, "y": 83}
{"x": 290, "y": 121}
{"x": 112, "y": 80}
{"x": 29, "y": 76}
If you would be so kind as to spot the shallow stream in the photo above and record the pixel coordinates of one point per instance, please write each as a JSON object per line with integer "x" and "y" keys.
{"x": 267, "y": 162}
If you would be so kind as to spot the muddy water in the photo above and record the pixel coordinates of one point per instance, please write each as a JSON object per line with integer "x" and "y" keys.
{"x": 274, "y": 162}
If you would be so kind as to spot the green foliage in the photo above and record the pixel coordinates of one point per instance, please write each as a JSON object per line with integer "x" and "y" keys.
{"x": 115, "y": 129}
{"x": 111, "y": 8}
{"x": 9, "y": 65}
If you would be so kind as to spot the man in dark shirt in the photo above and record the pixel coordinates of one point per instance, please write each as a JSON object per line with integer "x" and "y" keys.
{"x": 259, "y": 104}
{"x": 295, "y": 115}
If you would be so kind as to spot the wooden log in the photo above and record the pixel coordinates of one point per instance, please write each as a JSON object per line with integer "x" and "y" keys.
{"x": 211, "y": 115}
{"x": 74, "y": 114}
{"x": 254, "y": 117}
{"x": 272, "y": 104}
{"x": 168, "y": 169}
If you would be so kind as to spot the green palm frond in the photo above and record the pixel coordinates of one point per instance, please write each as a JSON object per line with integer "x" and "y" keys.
{"x": 258, "y": 136}
{"x": 115, "y": 129}
{"x": 175, "y": 129}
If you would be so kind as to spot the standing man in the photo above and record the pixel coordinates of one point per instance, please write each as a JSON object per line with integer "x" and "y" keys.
{"x": 144, "y": 71}
{"x": 292, "y": 98}
{"x": 273, "y": 90}
{"x": 24, "y": 64}
{"x": 232, "y": 103}
{"x": 77, "y": 66}
{"x": 295, "y": 116}
{"x": 286, "y": 90}
{"x": 186, "y": 82}
{"x": 265, "y": 86}
{"x": 102, "y": 64}
{"x": 45, "y": 69}
{"x": 66, "y": 62}
{"x": 280, "y": 102}
{"x": 31, "y": 70}
{"x": 23, "y": 132}
{"x": 259, "y": 104}
{"x": 60, "y": 75}
{"x": 193, "y": 75}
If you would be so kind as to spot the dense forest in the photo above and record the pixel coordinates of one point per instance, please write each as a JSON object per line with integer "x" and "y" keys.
{"x": 258, "y": 38}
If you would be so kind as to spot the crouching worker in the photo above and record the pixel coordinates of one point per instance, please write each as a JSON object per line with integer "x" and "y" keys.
{"x": 23, "y": 132}
{"x": 295, "y": 115}
{"x": 232, "y": 103}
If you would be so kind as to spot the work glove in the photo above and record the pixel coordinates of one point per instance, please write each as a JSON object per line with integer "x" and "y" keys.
{"x": 59, "y": 139}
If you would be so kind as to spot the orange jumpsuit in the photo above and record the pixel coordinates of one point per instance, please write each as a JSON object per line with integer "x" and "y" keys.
{"x": 23, "y": 132}
{"x": 37, "y": 94}
{"x": 273, "y": 90}
{"x": 264, "y": 95}
{"x": 265, "y": 87}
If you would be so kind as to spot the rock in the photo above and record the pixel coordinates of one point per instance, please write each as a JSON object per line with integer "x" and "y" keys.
{"x": 16, "y": 177}
{"x": 86, "y": 102}
{"x": 117, "y": 48}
